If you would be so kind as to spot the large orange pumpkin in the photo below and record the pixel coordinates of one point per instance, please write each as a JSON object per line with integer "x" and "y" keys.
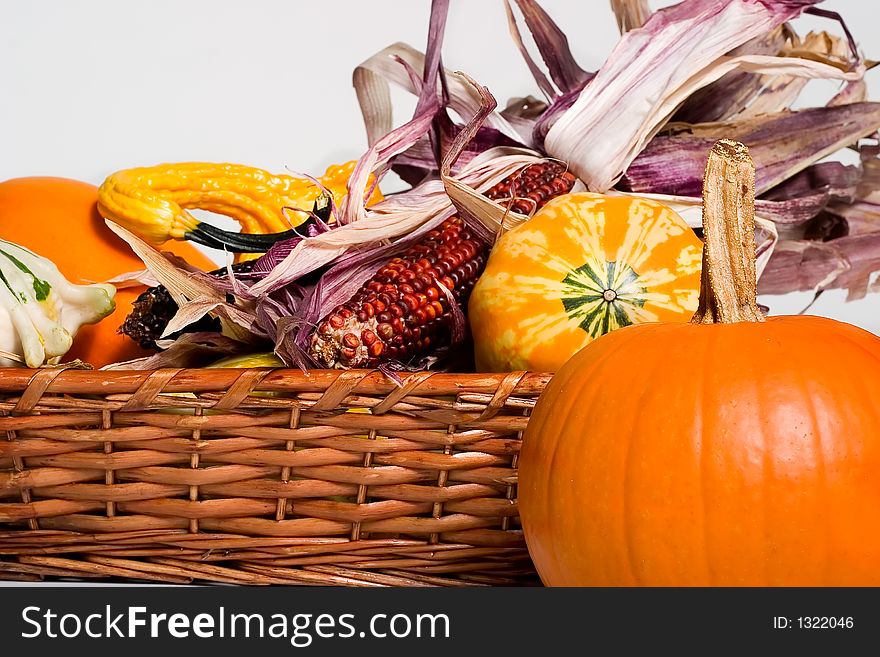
{"x": 57, "y": 218}
{"x": 733, "y": 450}
{"x": 582, "y": 266}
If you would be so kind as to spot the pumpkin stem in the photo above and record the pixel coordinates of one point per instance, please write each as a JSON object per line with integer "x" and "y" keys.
{"x": 728, "y": 287}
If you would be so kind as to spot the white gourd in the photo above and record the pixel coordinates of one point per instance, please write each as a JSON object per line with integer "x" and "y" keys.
{"x": 40, "y": 310}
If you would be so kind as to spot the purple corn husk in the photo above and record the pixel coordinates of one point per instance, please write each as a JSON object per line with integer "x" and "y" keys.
{"x": 552, "y": 45}
{"x": 338, "y": 284}
{"x": 848, "y": 263}
{"x": 846, "y": 250}
{"x": 780, "y": 145}
{"x": 418, "y": 163}
{"x": 806, "y": 194}
{"x": 523, "y": 114}
{"x": 861, "y": 217}
{"x": 569, "y": 78}
{"x": 280, "y": 250}
{"x": 541, "y": 80}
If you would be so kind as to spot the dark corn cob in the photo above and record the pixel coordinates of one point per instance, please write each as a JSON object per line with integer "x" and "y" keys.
{"x": 402, "y": 313}
{"x": 154, "y": 308}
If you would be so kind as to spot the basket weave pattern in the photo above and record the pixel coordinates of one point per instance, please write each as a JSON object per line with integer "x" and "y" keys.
{"x": 263, "y": 476}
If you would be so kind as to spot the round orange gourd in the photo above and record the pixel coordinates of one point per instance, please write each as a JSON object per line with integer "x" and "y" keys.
{"x": 733, "y": 450}
{"x": 582, "y": 266}
{"x": 57, "y": 218}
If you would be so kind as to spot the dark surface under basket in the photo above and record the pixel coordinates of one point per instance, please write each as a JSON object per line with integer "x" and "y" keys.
{"x": 263, "y": 476}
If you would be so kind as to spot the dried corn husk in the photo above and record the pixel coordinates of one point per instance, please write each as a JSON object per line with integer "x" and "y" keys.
{"x": 655, "y": 68}
{"x": 600, "y": 139}
{"x": 553, "y": 47}
{"x": 781, "y": 145}
{"x": 630, "y": 14}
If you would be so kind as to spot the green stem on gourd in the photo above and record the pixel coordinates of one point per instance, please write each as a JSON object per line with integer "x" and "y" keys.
{"x": 728, "y": 287}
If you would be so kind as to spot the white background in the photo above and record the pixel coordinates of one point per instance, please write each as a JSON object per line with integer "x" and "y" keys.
{"x": 92, "y": 86}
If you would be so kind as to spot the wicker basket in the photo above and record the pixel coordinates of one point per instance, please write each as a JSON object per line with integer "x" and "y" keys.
{"x": 263, "y": 476}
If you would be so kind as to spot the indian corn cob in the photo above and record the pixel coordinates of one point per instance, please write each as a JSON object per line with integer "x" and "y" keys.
{"x": 402, "y": 312}
{"x": 154, "y": 308}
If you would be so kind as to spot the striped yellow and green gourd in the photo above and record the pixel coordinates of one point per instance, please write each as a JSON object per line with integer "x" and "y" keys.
{"x": 584, "y": 265}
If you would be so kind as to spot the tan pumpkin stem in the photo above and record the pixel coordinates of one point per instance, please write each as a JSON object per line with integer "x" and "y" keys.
{"x": 728, "y": 288}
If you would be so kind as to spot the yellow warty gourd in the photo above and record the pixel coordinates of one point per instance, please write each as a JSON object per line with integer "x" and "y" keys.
{"x": 154, "y": 202}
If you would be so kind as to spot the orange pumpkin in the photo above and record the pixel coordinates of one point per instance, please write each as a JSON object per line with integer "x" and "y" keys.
{"x": 582, "y": 266}
{"x": 57, "y": 218}
{"x": 732, "y": 450}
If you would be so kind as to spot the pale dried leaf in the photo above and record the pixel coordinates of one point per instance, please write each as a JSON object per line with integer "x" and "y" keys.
{"x": 186, "y": 286}
{"x": 855, "y": 91}
{"x": 486, "y": 217}
{"x": 141, "y": 278}
{"x": 630, "y": 14}
{"x": 180, "y": 284}
{"x": 728, "y": 96}
{"x": 392, "y": 65}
